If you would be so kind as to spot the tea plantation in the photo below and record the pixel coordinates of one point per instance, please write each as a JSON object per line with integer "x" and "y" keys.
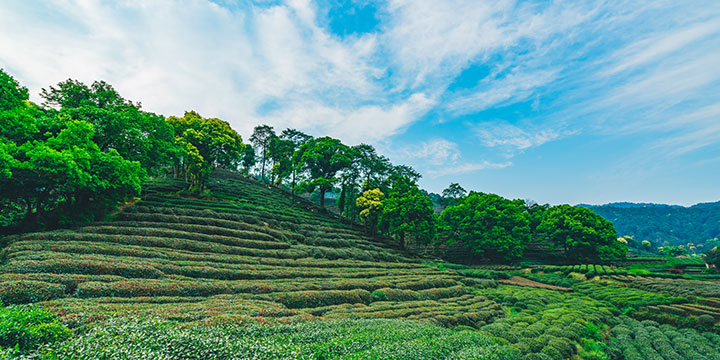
{"x": 246, "y": 271}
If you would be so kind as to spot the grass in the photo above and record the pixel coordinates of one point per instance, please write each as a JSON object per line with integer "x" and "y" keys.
{"x": 364, "y": 339}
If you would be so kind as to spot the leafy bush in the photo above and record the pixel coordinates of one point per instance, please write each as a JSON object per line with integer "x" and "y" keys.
{"x": 24, "y": 328}
{"x": 356, "y": 339}
{"x": 29, "y": 291}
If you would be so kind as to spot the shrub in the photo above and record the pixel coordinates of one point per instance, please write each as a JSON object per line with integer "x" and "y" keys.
{"x": 26, "y": 327}
{"x": 29, "y": 291}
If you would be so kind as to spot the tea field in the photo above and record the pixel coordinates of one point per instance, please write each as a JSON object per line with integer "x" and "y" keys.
{"x": 246, "y": 271}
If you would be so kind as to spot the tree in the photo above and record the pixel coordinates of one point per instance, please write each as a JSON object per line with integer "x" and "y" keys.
{"x": 406, "y": 171}
{"x": 453, "y": 192}
{"x": 583, "y": 235}
{"x": 672, "y": 251}
{"x": 262, "y": 137}
{"x": 370, "y": 204}
{"x": 712, "y": 257}
{"x": 535, "y": 215}
{"x": 248, "y": 159}
{"x": 298, "y": 138}
{"x": 407, "y": 211}
{"x": 65, "y": 178}
{"x": 118, "y": 123}
{"x": 205, "y": 143}
{"x": 375, "y": 168}
{"x": 646, "y": 245}
{"x": 322, "y": 158}
{"x": 281, "y": 152}
{"x": 490, "y": 225}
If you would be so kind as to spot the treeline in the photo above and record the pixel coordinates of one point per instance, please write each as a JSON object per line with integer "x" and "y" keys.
{"x": 387, "y": 199}
{"x": 663, "y": 225}
{"x": 86, "y": 149}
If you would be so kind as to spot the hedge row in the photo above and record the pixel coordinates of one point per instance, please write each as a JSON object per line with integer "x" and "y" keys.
{"x": 649, "y": 340}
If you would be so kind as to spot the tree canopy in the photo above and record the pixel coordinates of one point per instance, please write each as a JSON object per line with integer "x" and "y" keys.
{"x": 582, "y": 234}
{"x": 490, "y": 225}
{"x": 52, "y": 170}
{"x": 407, "y": 211}
{"x": 205, "y": 143}
{"x": 322, "y": 157}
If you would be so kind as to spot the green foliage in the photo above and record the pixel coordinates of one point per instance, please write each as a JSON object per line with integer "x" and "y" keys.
{"x": 65, "y": 177}
{"x": 490, "y": 225}
{"x": 29, "y": 291}
{"x": 713, "y": 257}
{"x": 370, "y": 205}
{"x": 204, "y": 144}
{"x": 452, "y": 193}
{"x": 357, "y": 339}
{"x": 583, "y": 235}
{"x": 665, "y": 225}
{"x": 262, "y": 138}
{"x": 118, "y": 123}
{"x": 322, "y": 158}
{"x": 649, "y": 340}
{"x": 672, "y": 250}
{"x": 407, "y": 211}
{"x": 25, "y": 328}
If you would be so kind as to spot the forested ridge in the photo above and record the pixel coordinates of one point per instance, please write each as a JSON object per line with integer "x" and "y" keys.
{"x": 665, "y": 225}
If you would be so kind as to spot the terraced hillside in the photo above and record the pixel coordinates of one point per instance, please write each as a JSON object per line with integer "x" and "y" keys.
{"x": 244, "y": 251}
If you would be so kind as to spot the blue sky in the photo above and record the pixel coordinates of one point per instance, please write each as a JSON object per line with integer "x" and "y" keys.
{"x": 555, "y": 101}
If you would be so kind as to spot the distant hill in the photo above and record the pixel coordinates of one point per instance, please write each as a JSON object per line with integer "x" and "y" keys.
{"x": 626, "y": 205}
{"x": 663, "y": 224}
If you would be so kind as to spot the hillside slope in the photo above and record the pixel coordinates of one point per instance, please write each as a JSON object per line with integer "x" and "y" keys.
{"x": 245, "y": 251}
{"x": 664, "y": 224}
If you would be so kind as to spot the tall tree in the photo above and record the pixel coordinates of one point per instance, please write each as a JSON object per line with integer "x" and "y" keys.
{"x": 583, "y": 235}
{"x": 407, "y": 211}
{"x": 490, "y": 225}
{"x": 207, "y": 143}
{"x": 248, "y": 158}
{"x": 281, "y": 152}
{"x": 118, "y": 123}
{"x": 322, "y": 158}
{"x": 370, "y": 204}
{"x": 298, "y": 138}
{"x": 535, "y": 214}
{"x": 262, "y": 138}
{"x": 452, "y": 193}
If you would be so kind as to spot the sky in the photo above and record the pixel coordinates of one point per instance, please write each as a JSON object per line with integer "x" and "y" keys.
{"x": 554, "y": 101}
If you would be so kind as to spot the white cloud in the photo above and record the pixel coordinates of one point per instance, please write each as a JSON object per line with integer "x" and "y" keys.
{"x": 433, "y": 41}
{"x": 468, "y": 167}
{"x": 658, "y": 46}
{"x": 222, "y": 63}
{"x": 434, "y": 152}
{"x": 516, "y": 86}
{"x": 514, "y": 138}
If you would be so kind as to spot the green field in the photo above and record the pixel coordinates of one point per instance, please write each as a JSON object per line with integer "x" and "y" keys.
{"x": 248, "y": 271}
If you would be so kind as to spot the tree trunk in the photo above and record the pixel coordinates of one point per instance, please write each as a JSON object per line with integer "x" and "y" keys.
{"x": 322, "y": 196}
{"x": 262, "y": 170}
{"x": 401, "y": 238}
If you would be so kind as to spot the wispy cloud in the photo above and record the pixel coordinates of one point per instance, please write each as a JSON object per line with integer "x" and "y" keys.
{"x": 467, "y": 167}
{"x": 511, "y": 137}
{"x": 433, "y": 152}
{"x": 221, "y": 62}
{"x": 516, "y": 86}
{"x": 441, "y": 157}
